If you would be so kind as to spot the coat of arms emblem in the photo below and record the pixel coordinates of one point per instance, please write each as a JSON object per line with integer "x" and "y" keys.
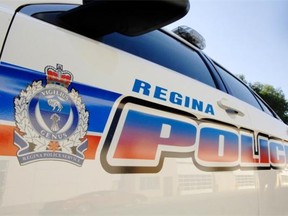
{"x": 51, "y": 122}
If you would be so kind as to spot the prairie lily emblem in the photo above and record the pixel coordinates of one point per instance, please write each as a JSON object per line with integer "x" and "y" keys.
{"x": 51, "y": 122}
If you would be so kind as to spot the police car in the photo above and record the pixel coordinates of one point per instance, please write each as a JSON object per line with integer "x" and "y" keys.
{"x": 103, "y": 111}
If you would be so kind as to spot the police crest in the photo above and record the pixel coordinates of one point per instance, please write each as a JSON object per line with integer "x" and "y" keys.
{"x": 51, "y": 122}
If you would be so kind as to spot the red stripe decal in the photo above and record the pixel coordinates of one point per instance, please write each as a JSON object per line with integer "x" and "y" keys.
{"x": 7, "y": 147}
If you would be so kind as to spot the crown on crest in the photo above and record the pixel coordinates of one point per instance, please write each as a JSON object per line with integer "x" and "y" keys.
{"x": 58, "y": 76}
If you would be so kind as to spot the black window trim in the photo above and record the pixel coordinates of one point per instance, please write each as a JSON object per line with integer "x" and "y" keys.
{"x": 220, "y": 83}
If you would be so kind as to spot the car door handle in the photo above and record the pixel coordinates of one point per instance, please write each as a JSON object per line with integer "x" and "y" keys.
{"x": 229, "y": 107}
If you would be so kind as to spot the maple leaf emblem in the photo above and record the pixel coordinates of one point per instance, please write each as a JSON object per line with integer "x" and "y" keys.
{"x": 54, "y": 146}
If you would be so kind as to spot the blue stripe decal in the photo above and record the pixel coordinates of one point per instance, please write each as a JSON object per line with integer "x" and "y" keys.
{"x": 14, "y": 79}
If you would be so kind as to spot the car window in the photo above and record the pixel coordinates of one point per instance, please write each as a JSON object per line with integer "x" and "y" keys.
{"x": 164, "y": 50}
{"x": 155, "y": 46}
{"x": 237, "y": 88}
